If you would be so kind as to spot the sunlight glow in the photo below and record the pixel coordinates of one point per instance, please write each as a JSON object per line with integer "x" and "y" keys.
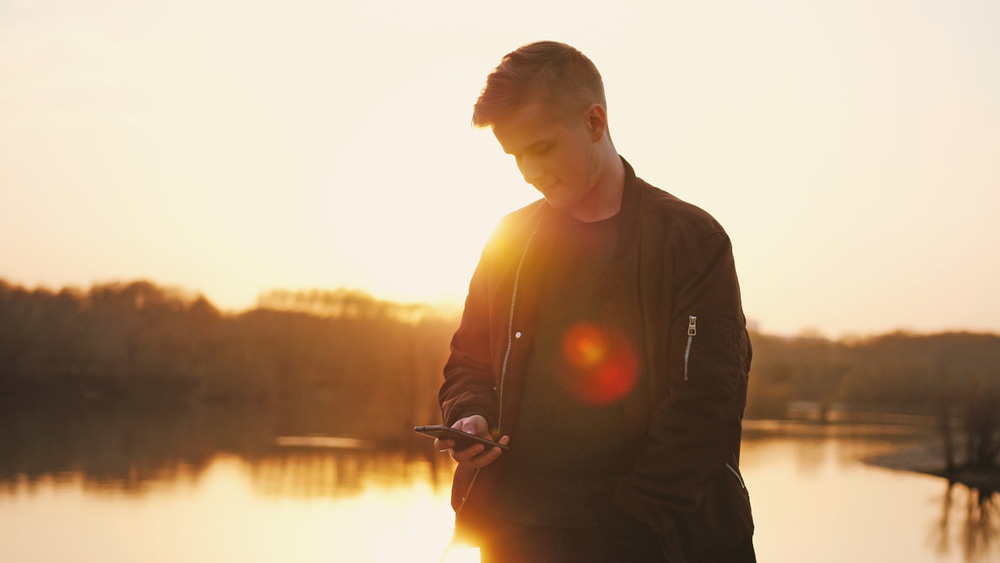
{"x": 416, "y": 195}
{"x": 459, "y": 553}
{"x": 329, "y": 145}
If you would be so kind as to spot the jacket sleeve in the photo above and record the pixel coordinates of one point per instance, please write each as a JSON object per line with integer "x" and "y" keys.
{"x": 469, "y": 386}
{"x": 694, "y": 430}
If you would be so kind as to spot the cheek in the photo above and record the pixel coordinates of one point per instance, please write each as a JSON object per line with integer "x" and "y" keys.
{"x": 566, "y": 163}
{"x": 582, "y": 168}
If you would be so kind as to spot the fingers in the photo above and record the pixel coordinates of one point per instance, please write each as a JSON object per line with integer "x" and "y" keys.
{"x": 474, "y": 424}
{"x": 476, "y": 455}
{"x": 466, "y": 455}
{"x": 443, "y": 445}
{"x": 479, "y": 455}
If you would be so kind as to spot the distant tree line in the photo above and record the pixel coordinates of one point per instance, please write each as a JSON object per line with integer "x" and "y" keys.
{"x": 954, "y": 376}
{"x": 898, "y": 372}
{"x": 141, "y": 340}
{"x": 144, "y": 343}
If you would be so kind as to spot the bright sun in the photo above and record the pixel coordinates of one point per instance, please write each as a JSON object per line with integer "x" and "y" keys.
{"x": 418, "y": 192}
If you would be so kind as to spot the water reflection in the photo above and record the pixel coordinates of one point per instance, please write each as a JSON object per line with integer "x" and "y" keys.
{"x": 814, "y": 444}
{"x": 99, "y": 485}
{"x": 338, "y": 473}
{"x": 110, "y": 448}
{"x": 815, "y": 499}
{"x": 972, "y": 517}
{"x": 129, "y": 451}
{"x": 255, "y": 483}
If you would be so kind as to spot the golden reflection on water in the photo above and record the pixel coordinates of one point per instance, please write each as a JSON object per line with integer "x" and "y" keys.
{"x": 386, "y": 506}
{"x": 814, "y": 500}
{"x": 351, "y": 506}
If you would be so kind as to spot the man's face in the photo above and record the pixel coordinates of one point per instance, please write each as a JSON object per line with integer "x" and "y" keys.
{"x": 556, "y": 153}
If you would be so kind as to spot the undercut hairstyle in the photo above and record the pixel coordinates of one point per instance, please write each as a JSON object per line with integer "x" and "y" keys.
{"x": 549, "y": 72}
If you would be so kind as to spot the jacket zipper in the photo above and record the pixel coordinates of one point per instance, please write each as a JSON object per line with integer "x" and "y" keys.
{"x": 506, "y": 358}
{"x": 510, "y": 329}
{"x": 692, "y": 331}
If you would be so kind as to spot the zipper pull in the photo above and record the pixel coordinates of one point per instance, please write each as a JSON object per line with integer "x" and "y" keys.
{"x": 692, "y": 331}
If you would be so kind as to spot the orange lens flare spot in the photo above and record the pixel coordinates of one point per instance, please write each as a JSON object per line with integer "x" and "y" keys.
{"x": 584, "y": 346}
{"x": 601, "y": 365}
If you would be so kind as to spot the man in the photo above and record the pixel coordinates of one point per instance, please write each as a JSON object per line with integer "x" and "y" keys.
{"x": 603, "y": 339}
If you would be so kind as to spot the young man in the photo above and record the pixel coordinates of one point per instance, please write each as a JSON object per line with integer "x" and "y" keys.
{"x": 603, "y": 339}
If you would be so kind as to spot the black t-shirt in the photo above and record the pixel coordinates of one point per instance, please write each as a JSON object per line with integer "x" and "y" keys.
{"x": 568, "y": 444}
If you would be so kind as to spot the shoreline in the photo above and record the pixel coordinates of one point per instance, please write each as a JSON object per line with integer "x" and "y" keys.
{"x": 928, "y": 458}
{"x": 924, "y": 454}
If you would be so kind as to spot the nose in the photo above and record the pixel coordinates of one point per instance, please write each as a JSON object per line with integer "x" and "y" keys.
{"x": 530, "y": 169}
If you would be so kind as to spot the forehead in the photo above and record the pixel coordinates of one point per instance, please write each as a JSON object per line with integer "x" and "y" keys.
{"x": 532, "y": 123}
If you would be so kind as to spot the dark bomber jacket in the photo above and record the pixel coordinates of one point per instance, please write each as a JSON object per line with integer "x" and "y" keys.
{"x": 672, "y": 290}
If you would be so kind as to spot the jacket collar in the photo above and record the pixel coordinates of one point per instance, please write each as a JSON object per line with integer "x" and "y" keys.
{"x": 631, "y": 206}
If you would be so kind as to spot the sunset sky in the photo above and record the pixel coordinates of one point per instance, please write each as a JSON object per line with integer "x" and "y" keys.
{"x": 850, "y": 148}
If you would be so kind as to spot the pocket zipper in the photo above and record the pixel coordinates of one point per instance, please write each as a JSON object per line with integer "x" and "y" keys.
{"x": 737, "y": 474}
{"x": 692, "y": 331}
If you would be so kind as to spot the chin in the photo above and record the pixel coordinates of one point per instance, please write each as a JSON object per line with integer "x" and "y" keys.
{"x": 558, "y": 203}
{"x": 557, "y": 198}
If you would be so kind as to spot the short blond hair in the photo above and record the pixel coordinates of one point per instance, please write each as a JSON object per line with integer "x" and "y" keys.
{"x": 546, "y": 71}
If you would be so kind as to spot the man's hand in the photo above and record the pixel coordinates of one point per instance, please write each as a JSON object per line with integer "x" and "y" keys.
{"x": 476, "y": 455}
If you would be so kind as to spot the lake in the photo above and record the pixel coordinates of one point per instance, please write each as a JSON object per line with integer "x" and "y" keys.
{"x": 108, "y": 498}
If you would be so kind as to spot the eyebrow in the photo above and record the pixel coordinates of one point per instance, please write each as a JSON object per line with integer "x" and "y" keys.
{"x": 533, "y": 146}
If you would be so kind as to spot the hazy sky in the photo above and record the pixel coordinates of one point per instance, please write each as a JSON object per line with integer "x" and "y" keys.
{"x": 850, "y": 148}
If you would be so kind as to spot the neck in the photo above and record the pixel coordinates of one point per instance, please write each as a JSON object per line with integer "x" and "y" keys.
{"x": 605, "y": 199}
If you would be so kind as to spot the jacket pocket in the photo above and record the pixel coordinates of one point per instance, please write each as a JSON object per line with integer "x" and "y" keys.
{"x": 713, "y": 353}
{"x": 722, "y": 522}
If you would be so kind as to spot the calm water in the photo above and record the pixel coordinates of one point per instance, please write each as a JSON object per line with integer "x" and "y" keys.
{"x": 814, "y": 501}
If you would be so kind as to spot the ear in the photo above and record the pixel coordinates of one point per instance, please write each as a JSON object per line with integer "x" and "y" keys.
{"x": 597, "y": 121}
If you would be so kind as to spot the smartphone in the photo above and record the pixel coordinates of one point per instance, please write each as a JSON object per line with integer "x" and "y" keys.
{"x": 462, "y": 439}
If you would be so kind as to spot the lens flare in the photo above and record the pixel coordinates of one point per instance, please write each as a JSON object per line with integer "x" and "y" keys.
{"x": 585, "y": 346}
{"x": 601, "y": 365}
